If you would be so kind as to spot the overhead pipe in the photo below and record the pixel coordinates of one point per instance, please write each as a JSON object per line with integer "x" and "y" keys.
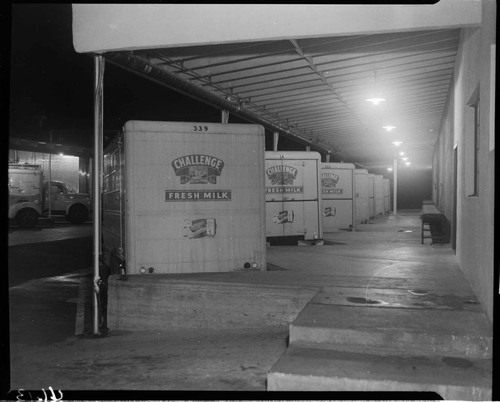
{"x": 141, "y": 66}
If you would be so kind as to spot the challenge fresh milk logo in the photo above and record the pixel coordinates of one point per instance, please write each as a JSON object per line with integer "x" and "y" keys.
{"x": 329, "y": 183}
{"x": 329, "y": 180}
{"x": 282, "y": 178}
{"x": 196, "y": 169}
{"x": 281, "y": 174}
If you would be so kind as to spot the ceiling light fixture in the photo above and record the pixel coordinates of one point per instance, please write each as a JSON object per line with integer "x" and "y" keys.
{"x": 376, "y": 100}
{"x": 397, "y": 143}
{"x": 389, "y": 127}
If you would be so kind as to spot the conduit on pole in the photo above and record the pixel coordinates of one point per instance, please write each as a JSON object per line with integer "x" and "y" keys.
{"x": 141, "y": 66}
{"x": 97, "y": 179}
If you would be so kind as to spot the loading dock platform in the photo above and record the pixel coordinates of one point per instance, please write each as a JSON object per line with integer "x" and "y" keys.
{"x": 394, "y": 314}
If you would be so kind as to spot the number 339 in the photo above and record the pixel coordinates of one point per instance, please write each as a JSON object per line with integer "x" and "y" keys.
{"x": 200, "y": 128}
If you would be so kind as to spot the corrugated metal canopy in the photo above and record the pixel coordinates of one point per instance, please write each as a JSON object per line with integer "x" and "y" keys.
{"x": 316, "y": 89}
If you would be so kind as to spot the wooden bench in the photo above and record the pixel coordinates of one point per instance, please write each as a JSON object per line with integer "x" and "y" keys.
{"x": 432, "y": 222}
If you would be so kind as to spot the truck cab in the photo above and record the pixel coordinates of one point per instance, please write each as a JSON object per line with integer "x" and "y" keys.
{"x": 75, "y": 206}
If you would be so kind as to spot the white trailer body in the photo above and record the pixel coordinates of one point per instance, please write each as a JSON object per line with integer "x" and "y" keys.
{"x": 25, "y": 193}
{"x": 387, "y": 195}
{"x": 362, "y": 199}
{"x": 186, "y": 197}
{"x": 371, "y": 195}
{"x": 293, "y": 197}
{"x": 378, "y": 191}
{"x": 337, "y": 188}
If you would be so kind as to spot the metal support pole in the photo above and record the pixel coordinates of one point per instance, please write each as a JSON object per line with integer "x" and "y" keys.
{"x": 395, "y": 188}
{"x": 49, "y": 189}
{"x": 97, "y": 173}
{"x": 308, "y": 148}
{"x": 276, "y": 137}
{"x": 353, "y": 184}
{"x": 327, "y": 157}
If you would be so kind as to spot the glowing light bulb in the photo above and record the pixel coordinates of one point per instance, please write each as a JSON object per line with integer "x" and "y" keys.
{"x": 376, "y": 100}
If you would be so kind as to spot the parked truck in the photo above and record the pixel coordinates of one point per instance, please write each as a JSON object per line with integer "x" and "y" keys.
{"x": 29, "y": 197}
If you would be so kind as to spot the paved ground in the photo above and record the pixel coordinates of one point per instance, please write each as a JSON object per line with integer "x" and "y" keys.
{"x": 44, "y": 352}
{"x": 48, "y": 267}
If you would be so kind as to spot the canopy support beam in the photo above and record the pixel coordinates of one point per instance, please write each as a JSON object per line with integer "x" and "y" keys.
{"x": 97, "y": 180}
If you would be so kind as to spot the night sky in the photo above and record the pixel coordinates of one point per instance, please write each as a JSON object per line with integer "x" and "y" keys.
{"x": 51, "y": 86}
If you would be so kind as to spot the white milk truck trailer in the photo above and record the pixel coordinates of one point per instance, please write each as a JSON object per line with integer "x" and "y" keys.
{"x": 293, "y": 197}
{"x": 183, "y": 198}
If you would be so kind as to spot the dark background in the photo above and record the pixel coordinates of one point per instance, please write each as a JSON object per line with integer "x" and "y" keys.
{"x": 50, "y": 88}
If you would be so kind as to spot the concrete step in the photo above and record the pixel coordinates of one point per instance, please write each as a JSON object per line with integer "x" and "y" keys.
{"x": 315, "y": 369}
{"x": 437, "y": 299}
{"x": 459, "y": 333}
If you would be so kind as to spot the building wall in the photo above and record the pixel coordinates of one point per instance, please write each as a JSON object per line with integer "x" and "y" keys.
{"x": 63, "y": 167}
{"x": 443, "y": 166}
{"x": 474, "y": 75}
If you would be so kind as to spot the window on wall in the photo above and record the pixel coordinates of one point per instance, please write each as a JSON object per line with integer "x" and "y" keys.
{"x": 472, "y": 145}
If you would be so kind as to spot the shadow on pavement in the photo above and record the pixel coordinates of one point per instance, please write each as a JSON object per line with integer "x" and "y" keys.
{"x": 39, "y": 260}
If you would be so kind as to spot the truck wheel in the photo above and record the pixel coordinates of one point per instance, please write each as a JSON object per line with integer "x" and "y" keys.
{"x": 27, "y": 218}
{"x": 78, "y": 214}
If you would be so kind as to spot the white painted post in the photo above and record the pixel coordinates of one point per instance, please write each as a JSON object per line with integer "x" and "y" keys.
{"x": 98, "y": 155}
{"x": 224, "y": 116}
{"x": 395, "y": 187}
{"x": 276, "y": 138}
{"x": 49, "y": 189}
